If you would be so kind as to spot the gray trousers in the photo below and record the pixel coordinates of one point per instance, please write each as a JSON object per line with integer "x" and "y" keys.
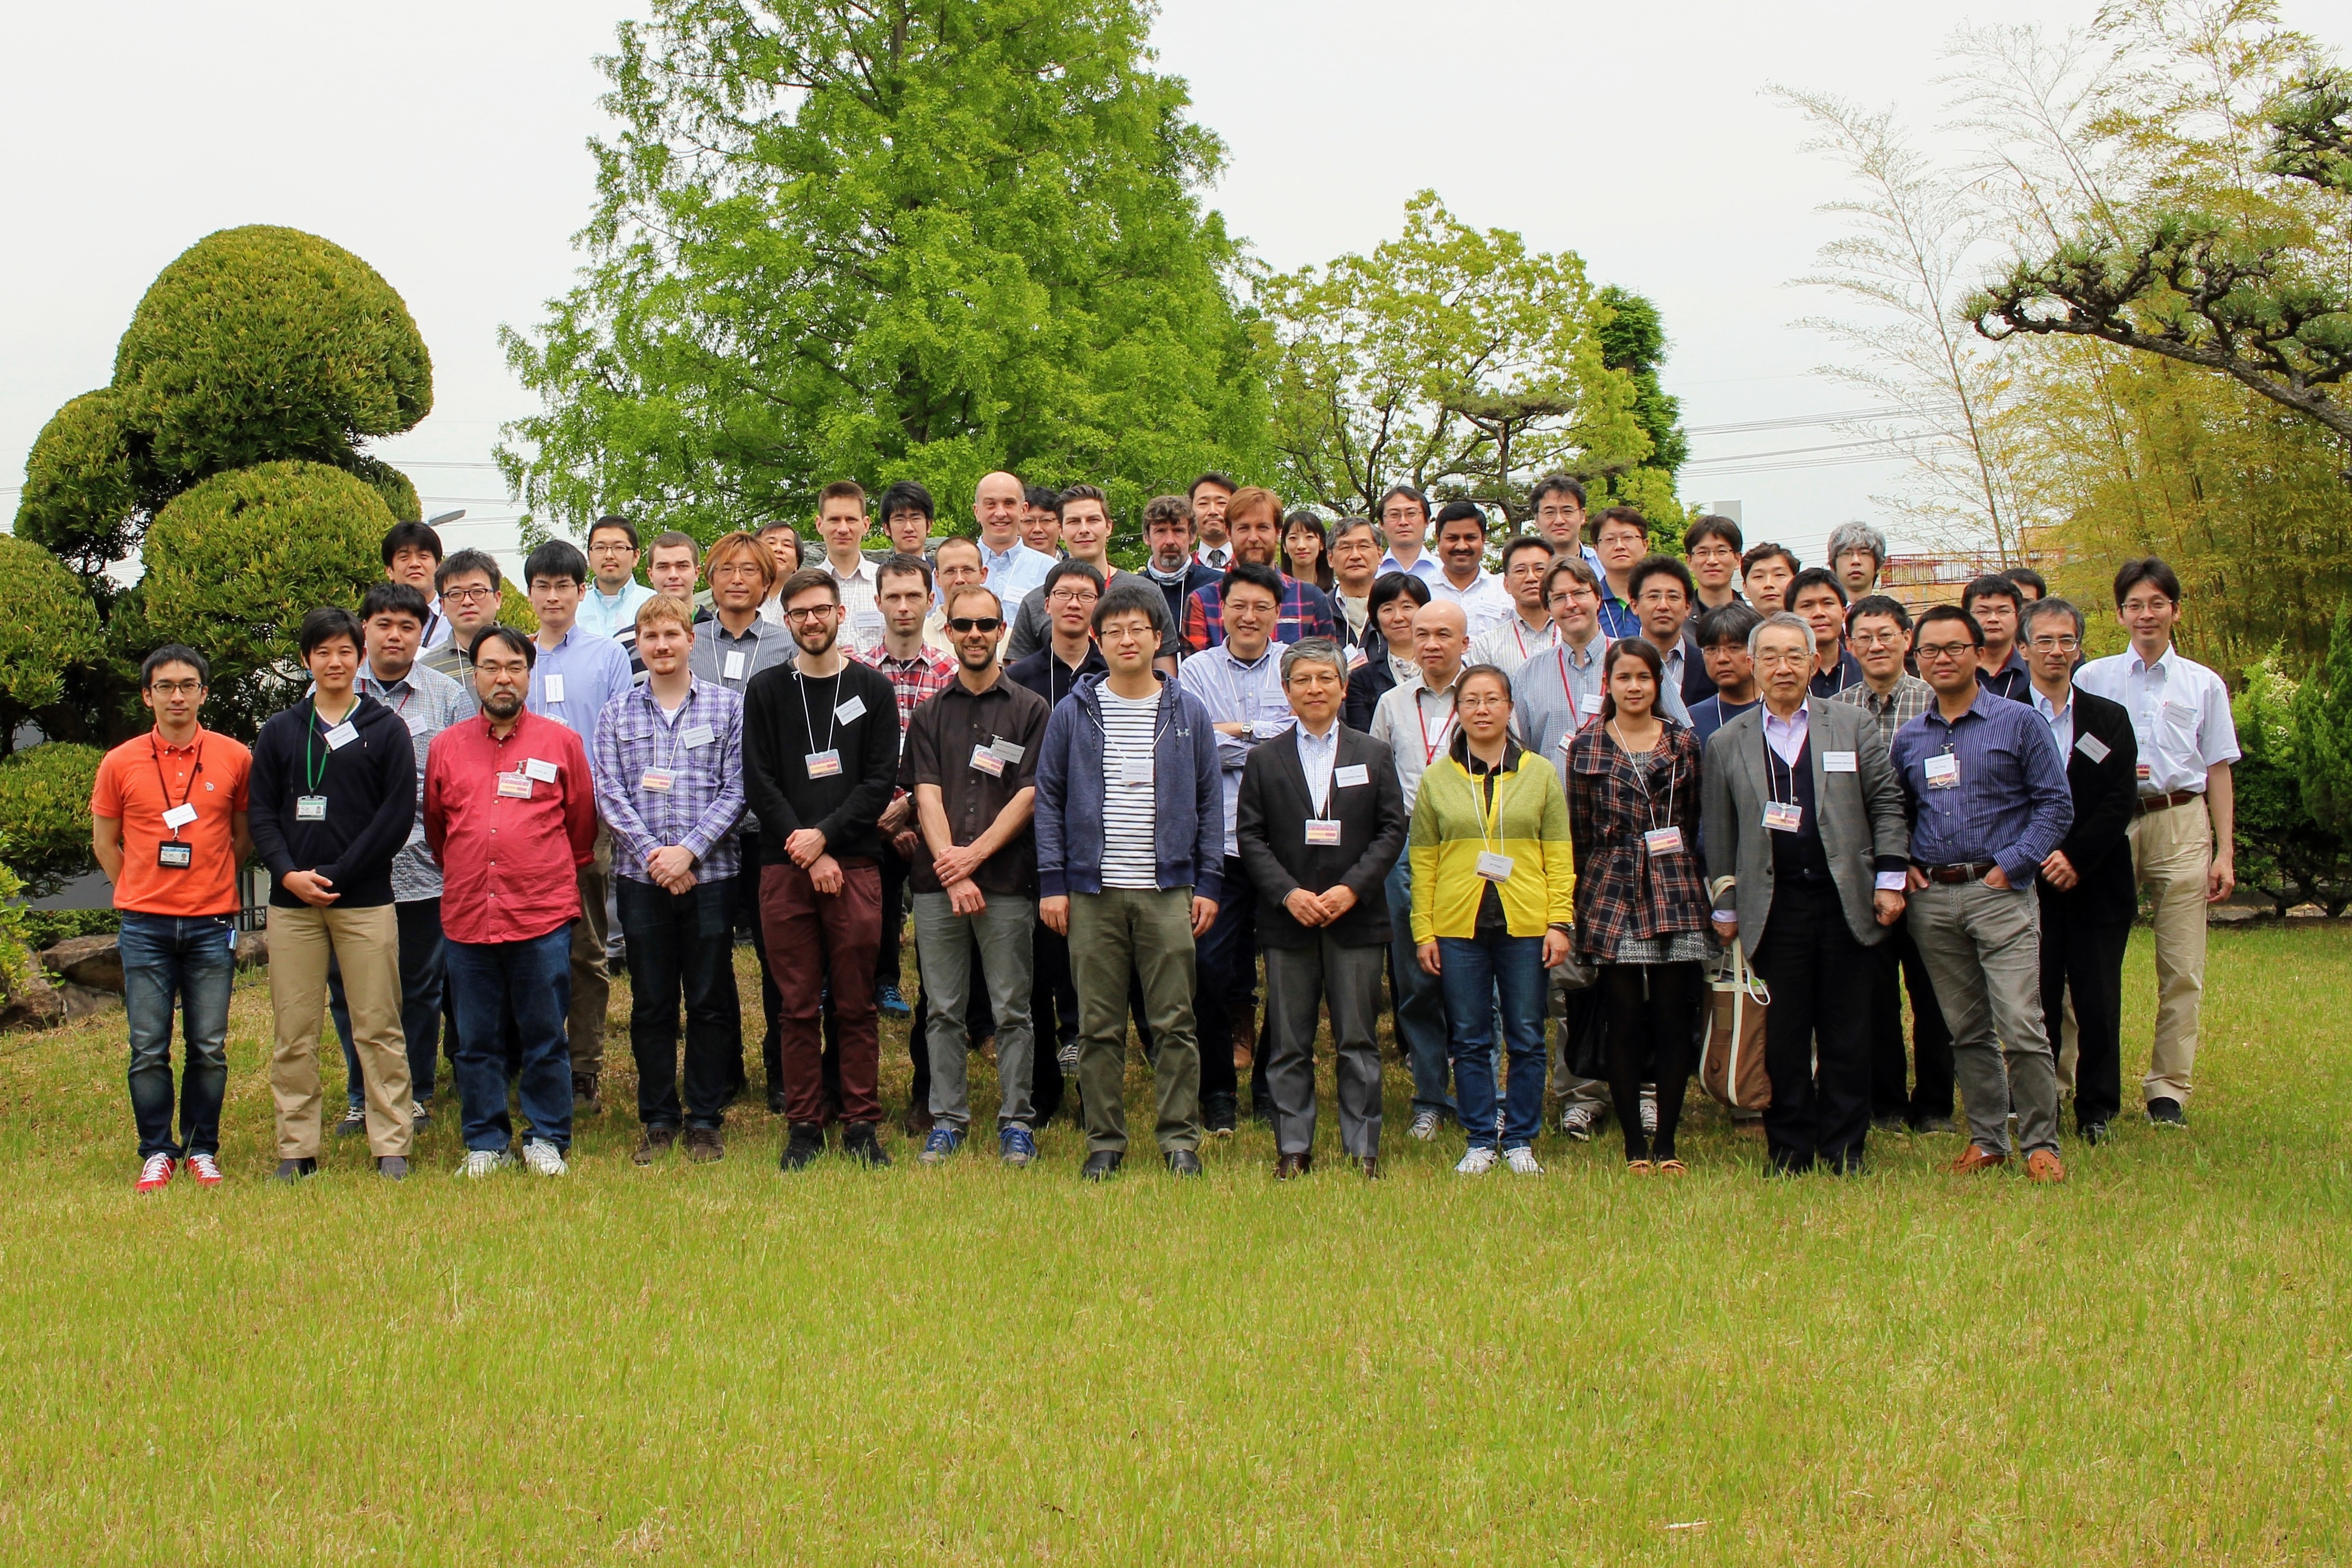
{"x": 1299, "y": 980}
{"x": 945, "y": 939}
{"x": 1147, "y": 932}
{"x": 1982, "y": 947}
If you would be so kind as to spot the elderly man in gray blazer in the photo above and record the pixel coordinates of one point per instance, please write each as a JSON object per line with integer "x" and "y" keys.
{"x": 1807, "y": 845}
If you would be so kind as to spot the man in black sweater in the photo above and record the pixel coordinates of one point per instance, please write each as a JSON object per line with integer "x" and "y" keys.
{"x": 333, "y": 795}
{"x": 820, "y": 756}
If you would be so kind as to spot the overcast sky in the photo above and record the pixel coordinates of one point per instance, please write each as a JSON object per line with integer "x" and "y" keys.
{"x": 444, "y": 143}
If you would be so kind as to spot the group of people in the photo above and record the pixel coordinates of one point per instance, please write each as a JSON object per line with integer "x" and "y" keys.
{"x": 1575, "y": 786}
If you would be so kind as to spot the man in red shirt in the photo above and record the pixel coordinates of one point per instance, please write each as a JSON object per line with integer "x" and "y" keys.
{"x": 168, "y": 826}
{"x": 511, "y": 816}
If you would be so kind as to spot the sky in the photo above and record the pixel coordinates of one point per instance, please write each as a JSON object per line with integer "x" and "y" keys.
{"x": 445, "y": 143}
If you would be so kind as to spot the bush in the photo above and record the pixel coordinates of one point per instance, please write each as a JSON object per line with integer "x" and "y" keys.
{"x": 44, "y": 928}
{"x": 2282, "y": 853}
{"x": 50, "y": 627}
{"x": 79, "y": 501}
{"x": 44, "y": 814}
{"x": 398, "y": 492}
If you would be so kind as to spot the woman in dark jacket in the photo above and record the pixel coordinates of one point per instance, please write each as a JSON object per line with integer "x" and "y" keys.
{"x": 1389, "y": 626}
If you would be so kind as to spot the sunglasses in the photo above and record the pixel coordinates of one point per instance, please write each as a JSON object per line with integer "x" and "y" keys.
{"x": 974, "y": 623}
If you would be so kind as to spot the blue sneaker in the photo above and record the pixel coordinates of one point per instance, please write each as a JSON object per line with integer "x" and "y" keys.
{"x": 892, "y": 1004}
{"x": 941, "y": 1145}
{"x": 1014, "y": 1146}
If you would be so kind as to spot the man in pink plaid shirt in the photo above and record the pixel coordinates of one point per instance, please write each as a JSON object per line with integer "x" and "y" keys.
{"x": 902, "y": 593}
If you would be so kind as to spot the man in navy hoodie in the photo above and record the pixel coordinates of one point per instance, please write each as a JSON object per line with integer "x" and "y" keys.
{"x": 333, "y": 796}
{"x": 1131, "y": 850}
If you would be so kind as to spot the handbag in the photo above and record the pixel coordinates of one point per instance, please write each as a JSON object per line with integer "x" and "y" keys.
{"x": 1731, "y": 1067}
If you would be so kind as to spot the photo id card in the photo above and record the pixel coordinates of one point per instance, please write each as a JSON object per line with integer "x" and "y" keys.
{"x": 1323, "y": 830}
{"x": 1942, "y": 771}
{"x": 986, "y": 761}
{"x": 514, "y": 786}
{"x": 1663, "y": 841}
{"x": 823, "y": 764}
{"x": 1784, "y": 816}
{"x": 174, "y": 855}
{"x": 656, "y": 779}
{"x": 309, "y": 807}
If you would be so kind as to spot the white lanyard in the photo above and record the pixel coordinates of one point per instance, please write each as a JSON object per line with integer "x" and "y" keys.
{"x": 831, "y": 715}
{"x": 1641, "y": 771}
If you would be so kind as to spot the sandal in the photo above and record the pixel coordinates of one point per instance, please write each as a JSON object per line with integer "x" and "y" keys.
{"x": 1673, "y": 1167}
{"x": 1637, "y": 1167}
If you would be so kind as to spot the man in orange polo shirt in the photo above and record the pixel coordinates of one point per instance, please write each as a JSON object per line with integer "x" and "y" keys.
{"x": 168, "y": 826}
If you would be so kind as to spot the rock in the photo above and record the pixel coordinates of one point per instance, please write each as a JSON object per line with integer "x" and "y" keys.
{"x": 2232, "y": 914}
{"x": 94, "y": 962}
{"x": 252, "y": 949}
{"x": 81, "y": 1001}
{"x": 2306, "y": 911}
{"x": 37, "y": 1005}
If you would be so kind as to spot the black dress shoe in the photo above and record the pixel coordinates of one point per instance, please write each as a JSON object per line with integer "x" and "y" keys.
{"x": 861, "y": 1142}
{"x": 2094, "y": 1133}
{"x": 808, "y": 1142}
{"x": 296, "y": 1170}
{"x": 1101, "y": 1165}
{"x": 1286, "y": 1166}
{"x": 1184, "y": 1163}
{"x": 1370, "y": 1166}
{"x": 1219, "y": 1114}
{"x": 2165, "y": 1112}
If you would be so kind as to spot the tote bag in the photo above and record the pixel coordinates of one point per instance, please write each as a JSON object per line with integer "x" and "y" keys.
{"x": 1731, "y": 1068}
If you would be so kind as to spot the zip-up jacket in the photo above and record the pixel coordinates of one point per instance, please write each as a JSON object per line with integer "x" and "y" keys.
{"x": 370, "y": 783}
{"x": 1452, "y": 826}
{"x": 1188, "y": 798}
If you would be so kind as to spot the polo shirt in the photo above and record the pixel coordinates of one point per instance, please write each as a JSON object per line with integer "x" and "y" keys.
{"x": 1006, "y": 720}
{"x": 140, "y": 780}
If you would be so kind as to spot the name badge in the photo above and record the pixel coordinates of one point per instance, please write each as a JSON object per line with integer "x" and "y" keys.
{"x": 1135, "y": 769}
{"x": 174, "y": 855}
{"x": 514, "y": 786}
{"x": 988, "y": 762}
{"x": 823, "y": 764}
{"x": 1663, "y": 841}
{"x": 850, "y": 711}
{"x": 731, "y": 668}
{"x": 543, "y": 772}
{"x": 1010, "y": 750}
{"x": 658, "y": 779}
{"x": 1784, "y": 816}
{"x": 867, "y": 625}
{"x": 1837, "y": 762}
{"x": 1325, "y": 831}
{"x": 555, "y": 688}
{"x": 2092, "y": 746}
{"x": 2140, "y": 770}
{"x": 1494, "y": 867}
{"x": 309, "y": 807}
{"x": 342, "y": 735}
{"x": 1348, "y": 778}
{"x": 179, "y": 817}
{"x": 1942, "y": 771}
{"x": 695, "y": 736}
{"x": 1355, "y": 660}
{"x": 1589, "y": 704}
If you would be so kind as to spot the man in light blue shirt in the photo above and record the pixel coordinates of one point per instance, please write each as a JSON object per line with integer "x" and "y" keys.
{"x": 999, "y": 504}
{"x": 1404, "y": 523}
{"x": 609, "y": 606}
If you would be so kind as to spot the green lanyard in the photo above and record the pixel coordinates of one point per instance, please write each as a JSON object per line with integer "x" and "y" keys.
{"x": 316, "y": 775}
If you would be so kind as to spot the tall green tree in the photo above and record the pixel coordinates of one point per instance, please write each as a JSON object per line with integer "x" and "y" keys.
{"x": 881, "y": 241}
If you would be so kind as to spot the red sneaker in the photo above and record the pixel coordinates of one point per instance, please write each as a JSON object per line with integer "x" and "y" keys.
{"x": 155, "y": 1173}
{"x": 205, "y": 1168}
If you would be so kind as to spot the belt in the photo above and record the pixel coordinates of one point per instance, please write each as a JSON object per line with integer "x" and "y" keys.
{"x": 2147, "y": 804}
{"x": 1970, "y": 871}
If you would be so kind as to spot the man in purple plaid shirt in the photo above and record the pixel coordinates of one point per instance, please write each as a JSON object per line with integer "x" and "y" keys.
{"x": 668, "y": 769}
{"x": 1254, "y": 527}
{"x": 918, "y": 672}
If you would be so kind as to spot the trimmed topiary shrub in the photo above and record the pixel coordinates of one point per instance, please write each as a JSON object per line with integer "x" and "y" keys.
{"x": 50, "y": 627}
{"x": 79, "y": 501}
{"x": 44, "y": 814}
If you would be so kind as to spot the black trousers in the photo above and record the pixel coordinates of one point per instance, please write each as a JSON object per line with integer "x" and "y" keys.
{"x": 743, "y": 916}
{"x": 680, "y": 948}
{"x": 1894, "y": 965}
{"x": 1224, "y": 973}
{"x": 2087, "y": 957}
{"x": 1816, "y": 1032}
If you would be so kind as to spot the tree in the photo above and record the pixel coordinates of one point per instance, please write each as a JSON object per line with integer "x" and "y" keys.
{"x": 2323, "y": 733}
{"x": 889, "y": 241}
{"x": 1452, "y": 359}
{"x": 51, "y": 628}
{"x": 2282, "y": 853}
{"x": 1634, "y": 343}
{"x": 79, "y": 501}
{"x": 44, "y": 814}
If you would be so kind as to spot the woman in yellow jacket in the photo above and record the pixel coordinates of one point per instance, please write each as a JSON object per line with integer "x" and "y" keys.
{"x": 1493, "y": 891}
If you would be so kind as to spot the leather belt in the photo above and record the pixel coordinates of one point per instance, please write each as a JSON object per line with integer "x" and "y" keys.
{"x": 2147, "y": 804}
{"x": 1970, "y": 870}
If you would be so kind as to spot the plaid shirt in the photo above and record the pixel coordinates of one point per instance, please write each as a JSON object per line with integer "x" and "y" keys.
{"x": 915, "y": 679}
{"x": 705, "y": 800}
{"x": 1304, "y": 613}
{"x": 1622, "y": 891}
{"x": 1911, "y": 698}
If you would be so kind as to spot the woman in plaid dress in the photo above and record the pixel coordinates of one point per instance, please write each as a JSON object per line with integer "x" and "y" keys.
{"x": 1641, "y": 903}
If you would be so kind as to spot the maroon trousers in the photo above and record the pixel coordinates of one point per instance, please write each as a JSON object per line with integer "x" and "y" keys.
{"x": 818, "y": 940}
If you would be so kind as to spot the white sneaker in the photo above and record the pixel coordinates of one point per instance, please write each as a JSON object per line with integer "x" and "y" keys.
{"x": 544, "y": 1158}
{"x": 1649, "y": 1113}
{"x": 485, "y": 1161}
{"x": 1425, "y": 1125}
{"x": 1523, "y": 1162}
{"x": 1477, "y": 1162}
{"x": 1576, "y": 1123}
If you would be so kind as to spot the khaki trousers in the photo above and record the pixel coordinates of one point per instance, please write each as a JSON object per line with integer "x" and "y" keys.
{"x": 2172, "y": 851}
{"x": 365, "y": 943}
{"x": 592, "y": 986}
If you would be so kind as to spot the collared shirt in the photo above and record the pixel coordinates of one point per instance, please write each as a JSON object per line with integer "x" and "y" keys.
{"x": 452, "y": 661}
{"x": 731, "y": 659}
{"x": 1484, "y": 604}
{"x": 2012, "y": 680}
{"x": 1415, "y": 724}
{"x": 1711, "y": 714}
{"x": 1216, "y": 558}
{"x": 437, "y": 628}
{"x": 861, "y": 613}
{"x": 589, "y": 670}
{"x": 1237, "y": 691}
{"x": 945, "y": 744}
{"x": 510, "y": 864}
{"x": 604, "y": 617}
{"x": 1846, "y": 673}
{"x": 2061, "y": 720}
{"x": 697, "y": 753}
{"x": 1425, "y": 567}
{"x": 427, "y": 702}
{"x": 1554, "y": 696}
{"x": 1011, "y": 574}
{"x": 1617, "y": 617}
{"x": 140, "y": 780}
{"x": 1670, "y": 689}
{"x": 1318, "y": 754}
{"x": 1044, "y": 673}
{"x": 2179, "y": 711}
{"x": 1511, "y": 643}
{"x": 1786, "y": 737}
{"x": 915, "y": 679}
{"x": 1304, "y": 613}
{"x": 1909, "y": 697}
{"x": 2010, "y": 803}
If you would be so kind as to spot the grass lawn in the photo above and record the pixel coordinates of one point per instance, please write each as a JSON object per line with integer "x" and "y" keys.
{"x": 717, "y": 1364}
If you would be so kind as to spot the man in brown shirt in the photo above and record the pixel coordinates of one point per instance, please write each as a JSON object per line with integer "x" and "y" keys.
{"x": 971, "y": 756}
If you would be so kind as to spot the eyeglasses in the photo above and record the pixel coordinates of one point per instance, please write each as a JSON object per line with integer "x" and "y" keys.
{"x": 1776, "y": 658}
{"x": 814, "y": 613}
{"x": 176, "y": 688}
{"x": 1070, "y": 596}
{"x": 973, "y": 624}
{"x": 1875, "y": 639}
{"x": 1941, "y": 651}
{"x": 2137, "y": 606}
{"x": 467, "y": 595}
{"x": 622, "y": 546}
{"x": 2057, "y": 645}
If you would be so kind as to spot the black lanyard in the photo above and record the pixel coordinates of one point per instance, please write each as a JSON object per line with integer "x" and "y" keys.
{"x": 156, "y": 752}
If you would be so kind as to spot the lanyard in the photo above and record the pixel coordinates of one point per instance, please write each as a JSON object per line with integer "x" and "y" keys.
{"x": 399, "y": 707}
{"x": 676, "y": 724}
{"x": 1641, "y": 772}
{"x": 1774, "y": 768}
{"x": 831, "y": 715}
{"x": 1491, "y": 805}
{"x": 156, "y": 752}
{"x": 316, "y": 776}
{"x": 1428, "y": 751}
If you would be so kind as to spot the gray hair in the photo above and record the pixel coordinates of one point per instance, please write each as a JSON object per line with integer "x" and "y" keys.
{"x": 1314, "y": 650}
{"x": 2042, "y": 607}
{"x": 1781, "y": 618}
{"x": 1856, "y": 536}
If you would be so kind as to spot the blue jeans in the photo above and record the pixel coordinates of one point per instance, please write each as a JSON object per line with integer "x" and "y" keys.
{"x": 681, "y": 948}
{"x": 1476, "y": 970}
{"x": 422, "y": 982}
{"x": 530, "y": 983}
{"x": 190, "y": 960}
{"x": 1420, "y": 1003}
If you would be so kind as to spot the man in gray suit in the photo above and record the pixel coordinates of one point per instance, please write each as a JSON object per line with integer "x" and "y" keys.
{"x": 1807, "y": 850}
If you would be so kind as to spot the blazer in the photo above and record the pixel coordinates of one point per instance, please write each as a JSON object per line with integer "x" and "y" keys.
{"x": 2104, "y": 794}
{"x": 1271, "y": 824}
{"x": 1368, "y": 682}
{"x": 1861, "y": 818}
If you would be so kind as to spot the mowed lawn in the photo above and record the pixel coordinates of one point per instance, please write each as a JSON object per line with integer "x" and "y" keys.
{"x": 971, "y": 1365}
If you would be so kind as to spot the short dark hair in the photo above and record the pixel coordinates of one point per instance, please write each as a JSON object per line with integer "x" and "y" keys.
{"x": 2151, "y": 571}
{"x": 1042, "y": 498}
{"x": 513, "y": 639}
{"x": 1555, "y": 483}
{"x": 1082, "y": 493}
{"x": 907, "y": 495}
{"x": 1629, "y": 516}
{"x": 673, "y": 539}
{"x": 1255, "y": 575}
{"x": 1936, "y": 612}
{"x": 1519, "y": 542}
{"x": 1991, "y": 586}
{"x": 326, "y": 624}
{"x": 1651, "y": 566}
{"x": 2042, "y": 607}
{"x": 1393, "y": 585}
{"x": 1409, "y": 493}
{"x": 464, "y": 562}
{"x": 1711, "y": 527}
{"x": 1766, "y": 552}
{"x": 555, "y": 558}
{"x": 2026, "y": 576}
{"x": 903, "y": 565}
{"x": 1572, "y": 564}
{"x": 1129, "y": 596}
{"x": 1884, "y": 605}
{"x": 1071, "y": 566}
{"x": 174, "y": 654}
{"x": 1167, "y": 510}
{"x": 410, "y": 536}
{"x": 1728, "y": 623}
{"x": 1459, "y": 511}
{"x": 1813, "y": 577}
{"x": 628, "y": 529}
{"x": 1222, "y": 481}
{"x": 806, "y": 577}
{"x": 843, "y": 490}
{"x": 393, "y": 599}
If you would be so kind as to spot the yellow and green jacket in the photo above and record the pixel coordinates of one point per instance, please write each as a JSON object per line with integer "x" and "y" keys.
{"x": 1529, "y": 823}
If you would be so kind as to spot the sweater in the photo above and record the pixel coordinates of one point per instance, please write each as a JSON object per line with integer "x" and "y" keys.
{"x": 1188, "y": 824}
{"x": 1451, "y": 828}
{"x": 781, "y": 708}
{"x": 370, "y": 783}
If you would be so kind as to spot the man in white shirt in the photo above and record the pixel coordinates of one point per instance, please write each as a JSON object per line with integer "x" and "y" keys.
{"x": 1208, "y": 497}
{"x": 999, "y": 505}
{"x": 841, "y": 524}
{"x": 610, "y": 605}
{"x": 1464, "y": 580}
{"x": 1355, "y": 567}
{"x": 2183, "y": 836}
{"x": 1404, "y": 520}
{"x": 1528, "y": 630}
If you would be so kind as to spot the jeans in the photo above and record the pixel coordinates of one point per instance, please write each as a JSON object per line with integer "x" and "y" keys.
{"x": 1227, "y": 952}
{"x": 192, "y": 959}
{"x": 422, "y": 985}
{"x": 681, "y": 948}
{"x": 1472, "y": 971}
{"x": 946, "y": 941}
{"x": 529, "y": 982}
{"x": 1420, "y": 1004}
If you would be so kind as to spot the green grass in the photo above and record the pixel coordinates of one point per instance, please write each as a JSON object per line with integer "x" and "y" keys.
{"x": 705, "y": 1364}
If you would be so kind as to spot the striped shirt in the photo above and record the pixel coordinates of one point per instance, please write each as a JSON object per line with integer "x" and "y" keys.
{"x": 1235, "y": 691}
{"x": 1508, "y": 643}
{"x": 861, "y": 613}
{"x": 1130, "y": 858}
{"x": 699, "y": 750}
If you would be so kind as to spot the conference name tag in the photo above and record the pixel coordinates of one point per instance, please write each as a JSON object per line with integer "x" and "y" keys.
{"x": 1355, "y": 660}
{"x": 342, "y": 735}
{"x": 2141, "y": 771}
{"x": 731, "y": 669}
{"x": 1784, "y": 816}
{"x": 987, "y": 762}
{"x": 1837, "y": 762}
{"x": 1350, "y": 776}
{"x": 1495, "y": 867}
{"x": 656, "y": 779}
{"x": 179, "y": 817}
{"x": 544, "y": 772}
{"x": 174, "y": 855}
{"x": 1942, "y": 771}
{"x": 555, "y": 688}
{"x": 1135, "y": 769}
{"x": 1011, "y": 750}
{"x": 2092, "y": 746}
{"x": 867, "y": 625}
{"x": 309, "y": 807}
{"x": 1324, "y": 830}
{"x": 850, "y": 712}
{"x": 823, "y": 764}
{"x": 514, "y": 786}
{"x": 1664, "y": 841}
{"x": 1589, "y": 704}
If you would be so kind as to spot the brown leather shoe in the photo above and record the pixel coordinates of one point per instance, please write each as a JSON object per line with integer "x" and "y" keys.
{"x": 917, "y": 1122}
{"x": 704, "y": 1145}
{"x": 1370, "y": 1166}
{"x": 656, "y": 1143}
{"x": 1974, "y": 1159}
{"x": 1288, "y": 1166}
{"x": 2044, "y": 1165}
